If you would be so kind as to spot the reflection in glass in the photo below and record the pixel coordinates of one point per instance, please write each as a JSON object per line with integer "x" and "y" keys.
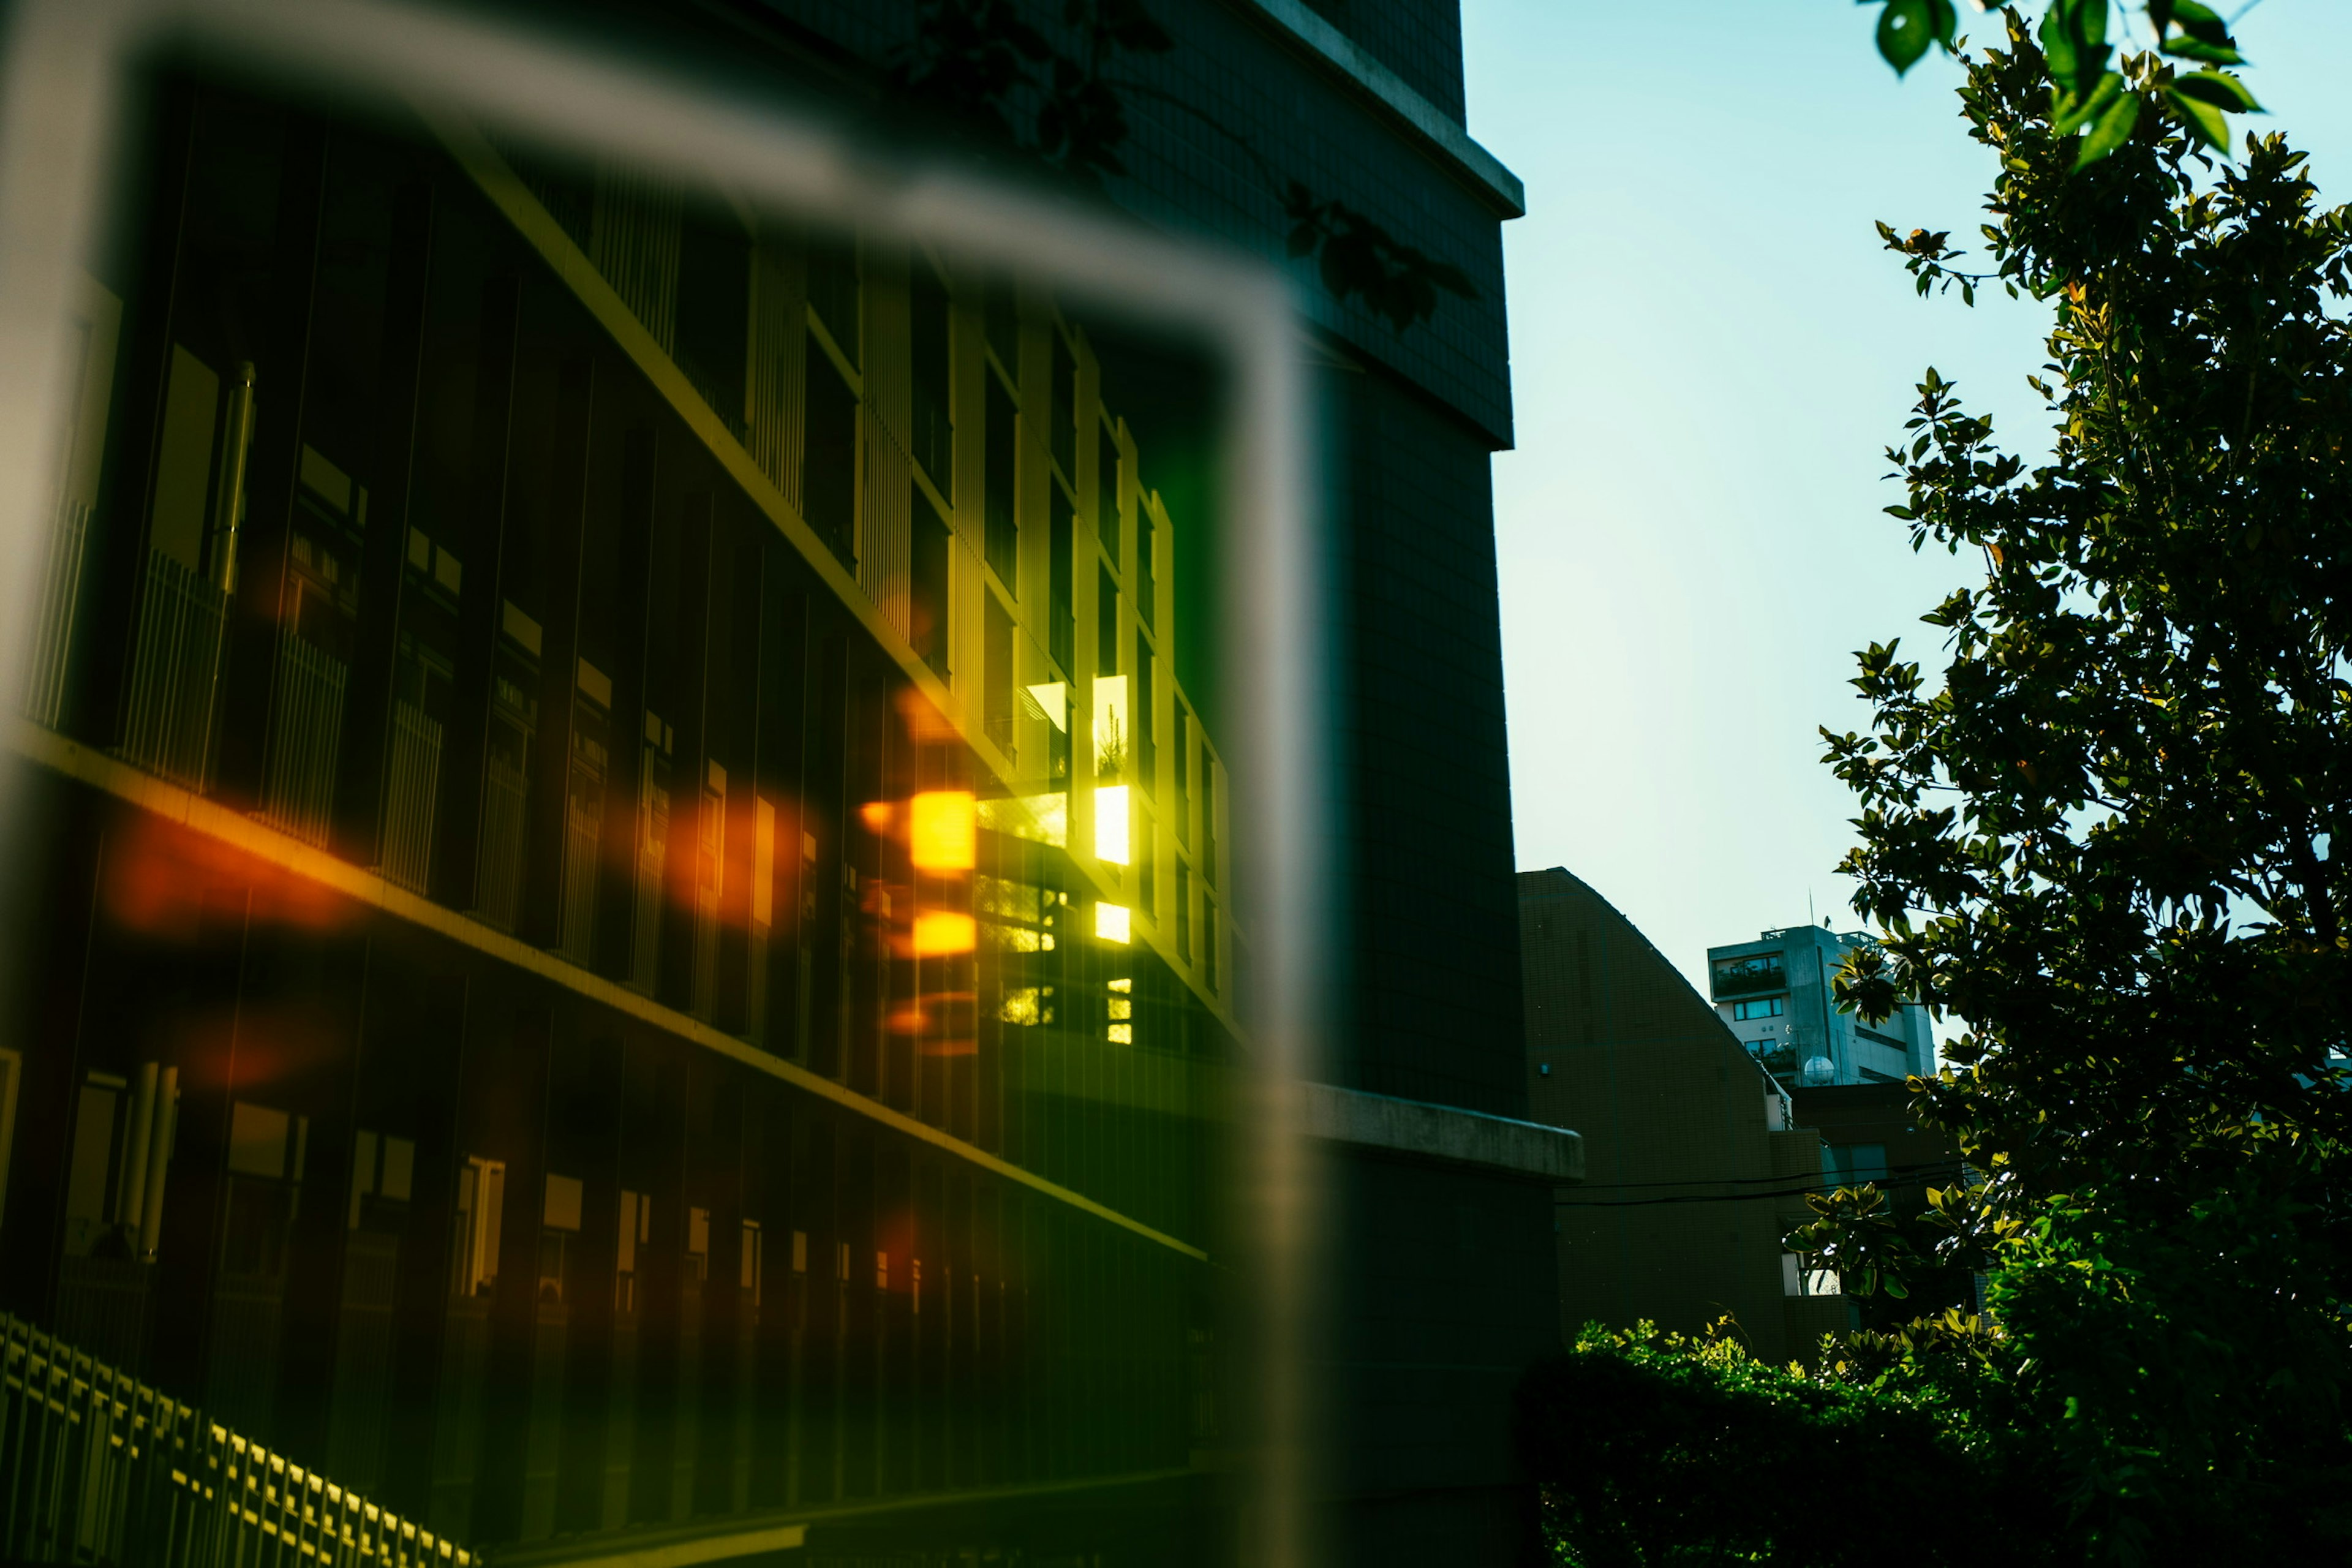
{"x": 565, "y": 710}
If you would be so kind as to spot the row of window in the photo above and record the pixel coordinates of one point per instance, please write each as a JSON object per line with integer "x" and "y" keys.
{"x": 1028, "y": 693}
{"x": 185, "y": 714}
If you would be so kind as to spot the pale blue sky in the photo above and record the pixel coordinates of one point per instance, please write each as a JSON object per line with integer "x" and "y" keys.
{"x": 1710, "y": 351}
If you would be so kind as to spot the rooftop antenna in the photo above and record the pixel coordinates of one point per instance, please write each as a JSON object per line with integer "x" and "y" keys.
{"x": 1809, "y": 906}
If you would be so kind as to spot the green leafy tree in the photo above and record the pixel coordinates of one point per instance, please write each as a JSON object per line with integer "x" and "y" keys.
{"x": 2106, "y": 837}
{"x": 2089, "y": 90}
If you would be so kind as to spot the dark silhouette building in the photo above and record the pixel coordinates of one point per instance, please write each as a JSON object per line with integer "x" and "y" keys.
{"x": 624, "y": 874}
{"x": 1694, "y": 1166}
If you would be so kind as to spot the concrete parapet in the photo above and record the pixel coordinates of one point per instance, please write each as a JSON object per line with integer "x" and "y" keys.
{"x": 1441, "y": 1133}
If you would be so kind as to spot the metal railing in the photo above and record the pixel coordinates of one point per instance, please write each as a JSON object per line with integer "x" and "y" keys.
{"x": 653, "y": 860}
{"x": 169, "y": 729}
{"x": 306, "y": 737}
{"x": 53, "y": 612}
{"x": 584, "y": 828}
{"x": 98, "y": 1467}
{"x": 410, "y": 795}
{"x": 506, "y": 808}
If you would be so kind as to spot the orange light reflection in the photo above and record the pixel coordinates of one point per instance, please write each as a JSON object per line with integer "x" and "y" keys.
{"x": 943, "y": 830}
{"x": 939, "y": 933}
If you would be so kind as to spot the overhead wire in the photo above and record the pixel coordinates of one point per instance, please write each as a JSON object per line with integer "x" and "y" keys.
{"x": 1951, "y": 1167}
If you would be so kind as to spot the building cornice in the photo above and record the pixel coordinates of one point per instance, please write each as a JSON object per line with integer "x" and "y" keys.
{"x": 1432, "y": 126}
{"x": 1442, "y": 1134}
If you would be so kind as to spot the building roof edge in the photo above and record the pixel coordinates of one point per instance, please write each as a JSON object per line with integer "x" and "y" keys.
{"x": 1434, "y": 127}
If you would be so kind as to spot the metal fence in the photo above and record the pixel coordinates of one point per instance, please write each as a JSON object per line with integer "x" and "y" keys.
{"x": 97, "y": 1467}
{"x": 53, "y": 612}
{"x": 306, "y": 735}
{"x": 173, "y": 676}
{"x": 410, "y": 796}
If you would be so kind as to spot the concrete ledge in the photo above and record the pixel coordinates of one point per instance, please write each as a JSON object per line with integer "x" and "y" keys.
{"x": 1497, "y": 1145}
{"x": 1441, "y": 133}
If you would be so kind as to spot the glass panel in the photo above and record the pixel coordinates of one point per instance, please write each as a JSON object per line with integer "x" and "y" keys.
{"x": 581, "y": 793}
{"x": 1742, "y": 976}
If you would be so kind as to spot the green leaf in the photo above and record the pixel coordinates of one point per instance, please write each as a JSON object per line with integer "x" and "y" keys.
{"x": 2210, "y": 54}
{"x": 2081, "y": 113}
{"x": 2206, "y": 122}
{"x": 2058, "y": 45}
{"x": 2219, "y": 89}
{"x": 1905, "y": 31}
{"x": 1944, "y": 18}
{"x": 2204, "y": 36}
{"x": 2074, "y": 41}
{"x": 2114, "y": 129}
{"x": 2200, "y": 22}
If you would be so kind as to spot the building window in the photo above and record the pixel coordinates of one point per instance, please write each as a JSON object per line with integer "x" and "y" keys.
{"x": 1743, "y": 976}
{"x": 481, "y": 1202}
{"x": 1106, "y": 517}
{"x": 1762, "y": 1007}
{"x": 1181, "y": 736}
{"x": 1061, "y": 614}
{"x": 1209, "y": 945}
{"x": 714, "y": 312}
{"x": 637, "y": 1230}
{"x": 1001, "y": 325}
{"x": 1796, "y": 1279}
{"x": 933, "y": 435}
{"x": 1147, "y": 581}
{"x": 1106, "y": 623}
{"x": 559, "y": 1223}
{"x": 926, "y": 583}
{"x": 1001, "y": 527}
{"x": 833, "y": 290}
{"x": 829, "y": 472}
{"x": 1183, "y": 911}
{"x": 1147, "y": 737}
{"x": 1062, "y": 406}
{"x": 996, "y": 664}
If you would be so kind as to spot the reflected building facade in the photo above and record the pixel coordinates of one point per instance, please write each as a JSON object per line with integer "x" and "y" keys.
{"x": 626, "y": 900}
{"x": 634, "y": 850}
